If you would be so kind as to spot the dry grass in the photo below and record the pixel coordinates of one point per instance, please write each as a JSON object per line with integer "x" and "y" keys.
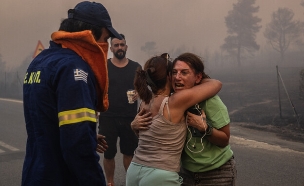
{"x": 251, "y": 95}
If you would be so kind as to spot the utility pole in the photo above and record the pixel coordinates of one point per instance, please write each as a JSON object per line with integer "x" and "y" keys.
{"x": 279, "y": 91}
{"x": 5, "y": 84}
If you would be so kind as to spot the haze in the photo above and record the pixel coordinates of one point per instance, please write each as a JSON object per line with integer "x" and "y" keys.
{"x": 196, "y": 25}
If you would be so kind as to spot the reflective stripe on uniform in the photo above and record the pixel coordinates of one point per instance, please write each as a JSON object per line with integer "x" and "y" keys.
{"x": 76, "y": 116}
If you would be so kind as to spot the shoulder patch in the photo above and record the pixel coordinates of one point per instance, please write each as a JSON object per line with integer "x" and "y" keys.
{"x": 80, "y": 75}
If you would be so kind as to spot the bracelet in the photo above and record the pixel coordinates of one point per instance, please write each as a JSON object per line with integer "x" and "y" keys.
{"x": 209, "y": 130}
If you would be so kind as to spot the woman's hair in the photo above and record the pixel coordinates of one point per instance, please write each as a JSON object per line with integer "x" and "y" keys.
{"x": 195, "y": 62}
{"x": 154, "y": 75}
{"x": 72, "y": 25}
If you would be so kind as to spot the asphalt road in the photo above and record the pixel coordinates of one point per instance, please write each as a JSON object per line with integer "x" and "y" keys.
{"x": 262, "y": 158}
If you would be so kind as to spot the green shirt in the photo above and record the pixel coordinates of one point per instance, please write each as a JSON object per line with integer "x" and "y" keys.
{"x": 207, "y": 156}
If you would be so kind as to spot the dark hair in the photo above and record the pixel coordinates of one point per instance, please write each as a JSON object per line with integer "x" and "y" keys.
{"x": 194, "y": 61}
{"x": 123, "y": 36}
{"x": 154, "y": 74}
{"x": 72, "y": 25}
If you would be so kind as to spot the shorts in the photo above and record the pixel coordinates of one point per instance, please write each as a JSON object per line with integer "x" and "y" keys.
{"x": 112, "y": 128}
{"x": 225, "y": 175}
{"x": 140, "y": 175}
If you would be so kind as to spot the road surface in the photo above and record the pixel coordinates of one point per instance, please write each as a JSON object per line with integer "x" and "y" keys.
{"x": 262, "y": 157}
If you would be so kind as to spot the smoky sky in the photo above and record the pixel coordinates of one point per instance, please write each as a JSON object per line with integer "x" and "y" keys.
{"x": 197, "y": 25}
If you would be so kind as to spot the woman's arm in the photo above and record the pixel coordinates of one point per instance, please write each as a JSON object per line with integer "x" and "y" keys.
{"x": 220, "y": 137}
{"x": 179, "y": 102}
{"x": 189, "y": 97}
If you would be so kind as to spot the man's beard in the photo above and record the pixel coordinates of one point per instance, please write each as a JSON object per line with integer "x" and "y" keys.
{"x": 118, "y": 55}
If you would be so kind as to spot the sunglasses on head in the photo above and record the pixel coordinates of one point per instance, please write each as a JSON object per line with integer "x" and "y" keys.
{"x": 166, "y": 56}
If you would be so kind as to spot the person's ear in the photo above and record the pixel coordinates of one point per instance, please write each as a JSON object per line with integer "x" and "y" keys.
{"x": 126, "y": 47}
{"x": 199, "y": 77}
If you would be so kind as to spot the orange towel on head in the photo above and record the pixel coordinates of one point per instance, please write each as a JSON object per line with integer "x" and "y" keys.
{"x": 95, "y": 54}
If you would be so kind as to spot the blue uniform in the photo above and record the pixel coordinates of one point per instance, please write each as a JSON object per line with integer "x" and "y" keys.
{"x": 59, "y": 95}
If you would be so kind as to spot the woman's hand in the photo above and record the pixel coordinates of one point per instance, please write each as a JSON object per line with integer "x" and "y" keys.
{"x": 141, "y": 121}
{"x": 101, "y": 144}
{"x": 219, "y": 137}
{"x": 197, "y": 121}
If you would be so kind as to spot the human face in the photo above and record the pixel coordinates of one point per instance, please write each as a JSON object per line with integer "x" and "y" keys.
{"x": 119, "y": 48}
{"x": 104, "y": 36}
{"x": 184, "y": 77}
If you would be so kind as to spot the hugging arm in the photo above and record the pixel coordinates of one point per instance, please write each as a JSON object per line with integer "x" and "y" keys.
{"x": 186, "y": 98}
{"x": 141, "y": 121}
{"x": 214, "y": 87}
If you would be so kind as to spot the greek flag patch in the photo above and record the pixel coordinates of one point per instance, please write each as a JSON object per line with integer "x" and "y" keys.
{"x": 80, "y": 75}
